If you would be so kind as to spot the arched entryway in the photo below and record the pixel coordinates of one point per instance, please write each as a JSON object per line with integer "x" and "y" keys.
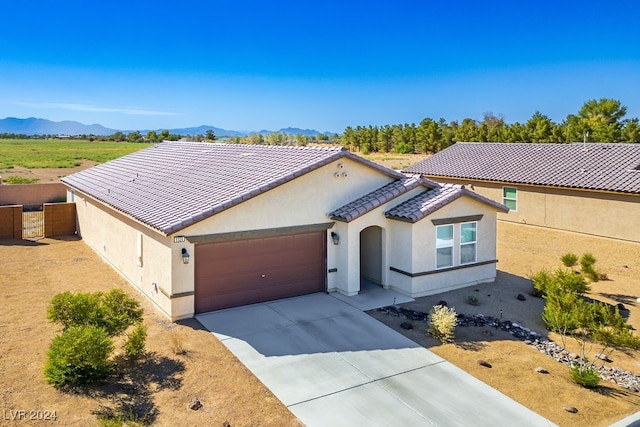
{"x": 371, "y": 257}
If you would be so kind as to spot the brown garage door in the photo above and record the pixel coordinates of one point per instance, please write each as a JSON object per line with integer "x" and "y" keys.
{"x": 229, "y": 274}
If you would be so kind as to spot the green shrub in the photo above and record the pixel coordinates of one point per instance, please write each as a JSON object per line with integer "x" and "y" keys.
{"x": 79, "y": 309}
{"x": 587, "y": 377}
{"x": 539, "y": 283}
{"x": 79, "y": 355}
{"x": 114, "y": 311}
{"x": 134, "y": 344}
{"x": 20, "y": 180}
{"x": 569, "y": 259}
{"x": 442, "y": 323}
{"x": 587, "y": 260}
{"x": 119, "y": 311}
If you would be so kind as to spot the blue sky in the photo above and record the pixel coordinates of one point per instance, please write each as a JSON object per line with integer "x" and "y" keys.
{"x": 325, "y": 65}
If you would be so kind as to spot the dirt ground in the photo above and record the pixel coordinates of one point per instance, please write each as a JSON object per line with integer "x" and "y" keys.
{"x": 45, "y": 174}
{"x": 160, "y": 388}
{"x": 523, "y": 250}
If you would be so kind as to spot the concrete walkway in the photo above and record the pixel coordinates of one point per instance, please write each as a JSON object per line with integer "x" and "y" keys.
{"x": 332, "y": 365}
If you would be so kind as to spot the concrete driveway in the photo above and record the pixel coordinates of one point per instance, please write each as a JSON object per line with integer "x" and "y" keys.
{"x": 332, "y": 365}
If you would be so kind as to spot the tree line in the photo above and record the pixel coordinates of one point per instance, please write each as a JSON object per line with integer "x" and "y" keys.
{"x": 600, "y": 120}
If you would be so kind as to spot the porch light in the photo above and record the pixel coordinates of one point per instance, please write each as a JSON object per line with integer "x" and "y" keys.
{"x": 185, "y": 256}
{"x": 335, "y": 237}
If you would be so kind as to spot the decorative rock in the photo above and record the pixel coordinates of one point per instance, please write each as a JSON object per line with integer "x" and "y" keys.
{"x": 406, "y": 325}
{"x": 521, "y": 297}
{"x": 226, "y": 424}
{"x": 195, "y": 404}
{"x": 484, "y": 363}
{"x": 625, "y": 379}
{"x": 541, "y": 370}
{"x": 571, "y": 409}
{"x": 442, "y": 303}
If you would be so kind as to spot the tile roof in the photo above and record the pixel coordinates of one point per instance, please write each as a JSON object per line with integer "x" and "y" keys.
{"x": 429, "y": 201}
{"x": 382, "y": 195}
{"x": 175, "y": 184}
{"x": 593, "y": 166}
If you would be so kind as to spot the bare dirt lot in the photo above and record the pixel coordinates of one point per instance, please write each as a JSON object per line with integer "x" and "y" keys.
{"x": 156, "y": 390}
{"x": 160, "y": 388}
{"x": 523, "y": 250}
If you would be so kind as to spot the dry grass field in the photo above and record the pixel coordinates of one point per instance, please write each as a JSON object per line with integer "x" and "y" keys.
{"x": 523, "y": 250}
{"x": 156, "y": 390}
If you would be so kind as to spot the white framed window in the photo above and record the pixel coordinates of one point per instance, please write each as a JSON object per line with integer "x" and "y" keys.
{"x": 510, "y": 198}
{"x": 444, "y": 246}
{"x": 468, "y": 242}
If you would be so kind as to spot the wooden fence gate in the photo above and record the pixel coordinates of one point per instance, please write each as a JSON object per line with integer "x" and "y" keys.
{"x": 29, "y": 222}
{"x": 32, "y": 222}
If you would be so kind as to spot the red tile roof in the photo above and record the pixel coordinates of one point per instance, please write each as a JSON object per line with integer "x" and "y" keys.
{"x": 382, "y": 195}
{"x": 427, "y": 202}
{"x": 175, "y": 184}
{"x": 593, "y": 166}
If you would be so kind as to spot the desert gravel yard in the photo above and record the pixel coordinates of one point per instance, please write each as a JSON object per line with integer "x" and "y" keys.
{"x": 523, "y": 250}
{"x": 158, "y": 391}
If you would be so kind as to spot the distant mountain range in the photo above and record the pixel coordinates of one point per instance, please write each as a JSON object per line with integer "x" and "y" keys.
{"x": 35, "y": 126}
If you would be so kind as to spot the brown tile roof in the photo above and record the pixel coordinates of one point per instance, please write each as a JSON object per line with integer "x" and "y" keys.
{"x": 175, "y": 184}
{"x": 382, "y": 195}
{"x": 429, "y": 201}
{"x": 593, "y": 166}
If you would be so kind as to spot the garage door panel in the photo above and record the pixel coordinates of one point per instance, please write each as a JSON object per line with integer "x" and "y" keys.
{"x": 247, "y": 271}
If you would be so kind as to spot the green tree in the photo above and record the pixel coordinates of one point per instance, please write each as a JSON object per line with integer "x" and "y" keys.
{"x": 631, "y": 131}
{"x": 134, "y": 136}
{"x": 164, "y": 135}
{"x": 118, "y": 136}
{"x": 603, "y": 119}
{"x": 152, "y": 136}
{"x": 210, "y": 135}
{"x": 428, "y": 136}
{"x": 539, "y": 128}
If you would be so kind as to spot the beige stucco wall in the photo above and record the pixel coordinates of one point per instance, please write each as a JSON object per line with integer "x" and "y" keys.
{"x": 419, "y": 256}
{"x": 590, "y": 212}
{"x": 116, "y": 238}
{"x": 305, "y": 200}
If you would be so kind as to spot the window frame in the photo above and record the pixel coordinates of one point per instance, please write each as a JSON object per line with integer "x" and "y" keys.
{"x": 451, "y": 245}
{"x": 469, "y": 243}
{"x": 505, "y": 199}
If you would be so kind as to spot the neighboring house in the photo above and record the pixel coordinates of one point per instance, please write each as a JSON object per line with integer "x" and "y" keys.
{"x": 591, "y": 188}
{"x": 199, "y": 227}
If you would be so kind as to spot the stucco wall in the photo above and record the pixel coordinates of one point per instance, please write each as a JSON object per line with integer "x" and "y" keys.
{"x": 120, "y": 240}
{"x": 32, "y": 194}
{"x": 423, "y": 259}
{"x": 589, "y": 212}
{"x": 306, "y": 200}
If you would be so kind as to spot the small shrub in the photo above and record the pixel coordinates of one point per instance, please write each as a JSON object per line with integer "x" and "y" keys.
{"x": 587, "y": 260}
{"x": 79, "y": 309}
{"x": 473, "y": 300}
{"x": 442, "y": 323}
{"x": 539, "y": 283}
{"x": 80, "y": 355}
{"x": 135, "y": 342}
{"x": 176, "y": 341}
{"x": 120, "y": 420}
{"x": 587, "y": 377}
{"x": 20, "y": 180}
{"x": 569, "y": 259}
{"x": 119, "y": 311}
{"x": 114, "y": 311}
{"x": 591, "y": 273}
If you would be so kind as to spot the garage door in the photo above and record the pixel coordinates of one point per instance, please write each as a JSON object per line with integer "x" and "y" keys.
{"x": 233, "y": 273}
